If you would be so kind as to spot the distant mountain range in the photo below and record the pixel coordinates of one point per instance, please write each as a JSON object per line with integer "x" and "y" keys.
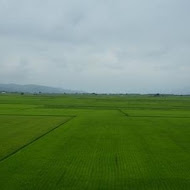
{"x": 32, "y": 88}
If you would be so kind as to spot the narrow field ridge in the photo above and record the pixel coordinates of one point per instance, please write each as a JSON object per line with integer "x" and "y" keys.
{"x": 38, "y": 115}
{"x": 110, "y": 107}
{"x": 124, "y": 113}
{"x": 159, "y": 116}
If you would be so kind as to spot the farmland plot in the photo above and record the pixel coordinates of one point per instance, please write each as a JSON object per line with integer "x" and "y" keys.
{"x": 17, "y": 131}
{"x": 104, "y": 147}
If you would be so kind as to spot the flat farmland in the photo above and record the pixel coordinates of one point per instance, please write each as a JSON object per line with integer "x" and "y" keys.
{"x": 94, "y": 142}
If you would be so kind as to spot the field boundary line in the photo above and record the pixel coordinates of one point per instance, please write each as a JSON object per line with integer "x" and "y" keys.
{"x": 109, "y": 107}
{"x": 37, "y": 115}
{"x": 34, "y": 140}
{"x": 152, "y": 116}
{"x": 160, "y": 116}
{"x": 124, "y": 113}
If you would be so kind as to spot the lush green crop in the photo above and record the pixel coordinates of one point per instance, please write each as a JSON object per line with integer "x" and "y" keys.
{"x": 107, "y": 142}
{"x": 17, "y": 131}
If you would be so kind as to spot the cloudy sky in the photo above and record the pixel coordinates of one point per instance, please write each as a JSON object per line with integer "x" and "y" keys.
{"x": 97, "y": 45}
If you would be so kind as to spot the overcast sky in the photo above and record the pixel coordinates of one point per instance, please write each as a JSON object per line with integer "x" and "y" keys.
{"x": 97, "y": 45}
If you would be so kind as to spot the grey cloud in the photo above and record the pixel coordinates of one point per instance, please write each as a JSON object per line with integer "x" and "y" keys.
{"x": 103, "y": 46}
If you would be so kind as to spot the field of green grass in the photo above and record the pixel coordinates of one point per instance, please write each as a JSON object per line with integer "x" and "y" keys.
{"x": 94, "y": 142}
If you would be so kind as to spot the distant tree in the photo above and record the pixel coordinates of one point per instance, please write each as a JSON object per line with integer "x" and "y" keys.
{"x": 22, "y": 93}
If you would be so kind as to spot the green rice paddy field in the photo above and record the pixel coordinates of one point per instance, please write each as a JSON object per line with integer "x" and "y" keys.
{"x": 90, "y": 142}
